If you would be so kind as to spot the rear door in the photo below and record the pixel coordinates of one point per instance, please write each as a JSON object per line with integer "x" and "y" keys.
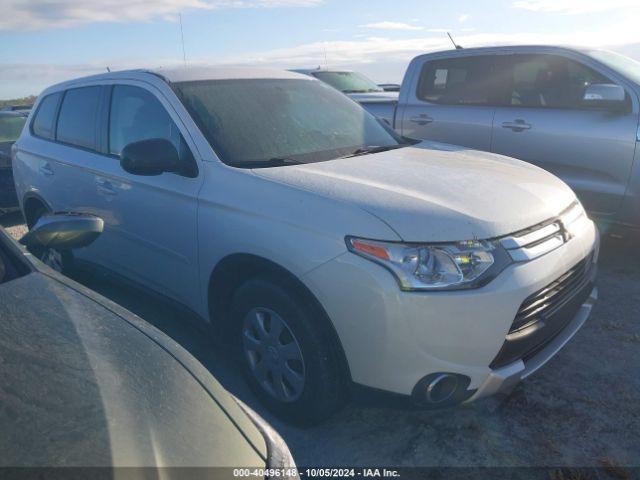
{"x": 451, "y": 101}
{"x": 77, "y": 149}
{"x": 545, "y": 123}
{"x": 51, "y": 161}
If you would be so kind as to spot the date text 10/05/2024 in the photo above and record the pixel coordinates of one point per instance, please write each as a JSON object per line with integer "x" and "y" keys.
{"x": 316, "y": 473}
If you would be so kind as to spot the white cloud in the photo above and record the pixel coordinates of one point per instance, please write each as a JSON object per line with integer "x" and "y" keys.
{"x": 44, "y": 14}
{"x": 391, "y": 26}
{"x": 574, "y": 7}
{"x": 382, "y": 58}
{"x": 383, "y": 49}
{"x": 464, "y": 17}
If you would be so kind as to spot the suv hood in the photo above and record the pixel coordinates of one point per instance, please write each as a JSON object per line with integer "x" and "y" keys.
{"x": 434, "y": 192}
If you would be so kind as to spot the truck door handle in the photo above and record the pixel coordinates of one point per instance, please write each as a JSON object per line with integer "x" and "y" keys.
{"x": 518, "y": 125}
{"x": 46, "y": 170}
{"x": 422, "y": 119}
{"x": 105, "y": 187}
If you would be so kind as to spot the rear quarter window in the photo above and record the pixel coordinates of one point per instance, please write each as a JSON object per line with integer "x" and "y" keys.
{"x": 43, "y": 122}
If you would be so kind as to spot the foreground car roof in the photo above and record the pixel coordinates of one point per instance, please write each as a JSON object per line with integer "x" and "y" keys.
{"x": 86, "y": 383}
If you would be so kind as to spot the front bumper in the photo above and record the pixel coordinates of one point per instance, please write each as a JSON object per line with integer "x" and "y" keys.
{"x": 393, "y": 339}
{"x": 502, "y": 380}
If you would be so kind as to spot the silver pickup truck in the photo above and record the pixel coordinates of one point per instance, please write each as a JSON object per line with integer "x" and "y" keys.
{"x": 573, "y": 112}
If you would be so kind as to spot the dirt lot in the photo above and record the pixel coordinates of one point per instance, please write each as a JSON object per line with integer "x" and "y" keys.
{"x": 582, "y": 409}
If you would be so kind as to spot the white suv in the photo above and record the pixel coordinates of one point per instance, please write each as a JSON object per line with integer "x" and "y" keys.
{"x": 326, "y": 248}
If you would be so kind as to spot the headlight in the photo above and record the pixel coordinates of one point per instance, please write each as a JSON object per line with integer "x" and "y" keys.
{"x": 448, "y": 266}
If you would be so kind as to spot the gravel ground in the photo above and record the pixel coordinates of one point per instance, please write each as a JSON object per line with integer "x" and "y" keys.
{"x": 582, "y": 409}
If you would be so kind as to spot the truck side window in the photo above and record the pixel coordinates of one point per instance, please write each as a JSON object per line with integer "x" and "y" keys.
{"x": 473, "y": 80}
{"x": 550, "y": 81}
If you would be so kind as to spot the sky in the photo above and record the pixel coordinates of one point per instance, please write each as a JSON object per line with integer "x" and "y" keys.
{"x": 46, "y": 41}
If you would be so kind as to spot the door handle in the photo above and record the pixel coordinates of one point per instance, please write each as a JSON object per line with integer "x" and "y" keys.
{"x": 518, "y": 125}
{"x": 46, "y": 170}
{"x": 105, "y": 187}
{"x": 422, "y": 119}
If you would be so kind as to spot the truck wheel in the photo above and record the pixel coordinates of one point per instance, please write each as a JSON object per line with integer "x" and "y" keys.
{"x": 286, "y": 352}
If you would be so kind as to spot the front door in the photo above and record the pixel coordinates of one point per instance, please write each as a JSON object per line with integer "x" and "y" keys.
{"x": 544, "y": 122}
{"x": 150, "y": 221}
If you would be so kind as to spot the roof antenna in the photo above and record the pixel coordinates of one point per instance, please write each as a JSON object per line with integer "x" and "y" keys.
{"x": 458, "y": 47}
{"x": 325, "y": 55}
{"x": 184, "y": 54}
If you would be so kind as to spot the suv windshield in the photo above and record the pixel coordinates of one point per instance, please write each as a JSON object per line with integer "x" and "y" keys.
{"x": 10, "y": 127}
{"x": 257, "y": 123}
{"x": 624, "y": 65}
{"x": 348, "y": 82}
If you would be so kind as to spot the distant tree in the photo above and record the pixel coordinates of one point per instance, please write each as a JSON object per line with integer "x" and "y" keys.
{"x": 18, "y": 101}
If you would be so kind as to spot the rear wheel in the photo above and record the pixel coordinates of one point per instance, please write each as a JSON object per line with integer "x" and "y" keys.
{"x": 286, "y": 351}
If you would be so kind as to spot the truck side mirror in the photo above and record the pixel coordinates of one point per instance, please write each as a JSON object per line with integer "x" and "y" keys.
{"x": 607, "y": 96}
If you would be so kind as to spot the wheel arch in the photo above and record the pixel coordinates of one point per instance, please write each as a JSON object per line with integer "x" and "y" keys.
{"x": 234, "y": 270}
{"x": 30, "y": 203}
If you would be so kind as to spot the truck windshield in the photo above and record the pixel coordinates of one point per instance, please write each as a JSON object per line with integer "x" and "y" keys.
{"x": 348, "y": 82}
{"x": 624, "y": 65}
{"x": 259, "y": 123}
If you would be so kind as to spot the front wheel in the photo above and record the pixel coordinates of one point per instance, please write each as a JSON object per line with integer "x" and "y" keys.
{"x": 287, "y": 352}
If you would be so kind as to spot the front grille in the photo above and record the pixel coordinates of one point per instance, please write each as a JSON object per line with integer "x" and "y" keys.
{"x": 546, "y": 301}
{"x": 546, "y": 313}
{"x": 540, "y": 239}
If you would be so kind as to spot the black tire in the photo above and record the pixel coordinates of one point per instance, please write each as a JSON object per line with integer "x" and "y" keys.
{"x": 34, "y": 216}
{"x": 324, "y": 390}
{"x": 66, "y": 257}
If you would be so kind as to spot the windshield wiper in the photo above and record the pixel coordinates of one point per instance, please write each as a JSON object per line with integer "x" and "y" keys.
{"x": 364, "y": 90}
{"x": 372, "y": 149}
{"x": 272, "y": 162}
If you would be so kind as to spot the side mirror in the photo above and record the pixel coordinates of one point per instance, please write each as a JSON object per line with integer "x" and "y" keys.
{"x": 150, "y": 157}
{"x": 390, "y": 87}
{"x": 63, "y": 231}
{"x": 606, "y": 96}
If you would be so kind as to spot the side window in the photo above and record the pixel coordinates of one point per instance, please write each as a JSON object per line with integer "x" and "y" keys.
{"x": 137, "y": 115}
{"x": 42, "y": 125}
{"x": 460, "y": 81}
{"x": 78, "y": 117}
{"x": 550, "y": 81}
